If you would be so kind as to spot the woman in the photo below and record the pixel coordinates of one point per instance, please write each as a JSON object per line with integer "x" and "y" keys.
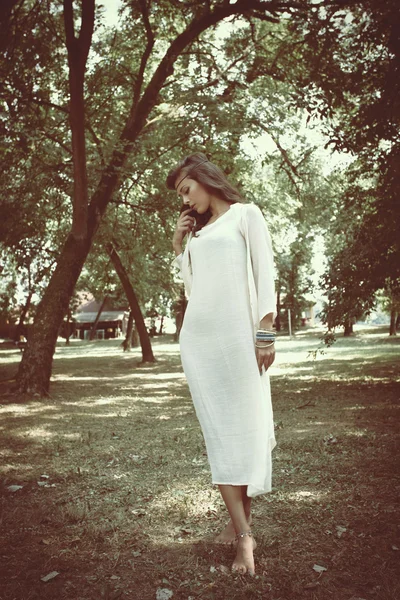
{"x": 227, "y": 341}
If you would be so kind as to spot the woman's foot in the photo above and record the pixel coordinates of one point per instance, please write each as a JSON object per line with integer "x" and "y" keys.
{"x": 228, "y": 535}
{"x": 244, "y": 560}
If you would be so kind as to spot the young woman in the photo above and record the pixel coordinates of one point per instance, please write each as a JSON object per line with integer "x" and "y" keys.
{"x": 227, "y": 340}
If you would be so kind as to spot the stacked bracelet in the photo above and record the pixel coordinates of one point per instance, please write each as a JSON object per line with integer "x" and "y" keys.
{"x": 265, "y": 335}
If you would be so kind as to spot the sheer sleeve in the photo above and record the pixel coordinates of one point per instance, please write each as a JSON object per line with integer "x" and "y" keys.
{"x": 181, "y": 263}
{"x": 177, "y": 263}
{"x": 262, "y": 260}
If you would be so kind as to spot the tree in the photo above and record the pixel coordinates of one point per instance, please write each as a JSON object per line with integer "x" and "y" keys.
{"x": 356, "y": 85}
{"x": 35, "y": 370}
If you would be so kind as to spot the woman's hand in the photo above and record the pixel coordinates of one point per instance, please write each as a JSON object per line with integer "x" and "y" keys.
{"x": 265, "y": 356}
{"x": 183, "y": 226}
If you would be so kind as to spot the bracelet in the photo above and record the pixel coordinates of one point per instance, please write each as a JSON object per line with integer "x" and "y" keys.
{"x": 266, "y": 331}
{"x": 262, "y": 334}
{"x": 265, "y": 336}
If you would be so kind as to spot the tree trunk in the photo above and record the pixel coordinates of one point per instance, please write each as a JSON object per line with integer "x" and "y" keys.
{"x": 35, "y": 368}
{"x": 398, "y": 322}
{"x": 348, "y": 328}
{"x": 161, "y": 325}
{"x": 278, "y": 311}
{"x": 180, "y": 312}
{"x": 20, "y": 327}
{"x": 68, "y": 330}
{"x": 127, "y": 343}
{"x": 147, "y": 351}
{"x": 393, "y": 321}
{"x": 97, "y": 319}
{"x": 77, "y": 52}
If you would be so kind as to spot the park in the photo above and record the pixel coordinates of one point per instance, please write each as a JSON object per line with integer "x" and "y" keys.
{"x": 105, "y": 484}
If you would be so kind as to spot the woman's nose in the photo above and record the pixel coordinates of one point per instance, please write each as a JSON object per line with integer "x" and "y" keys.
{"x": 186, "y": 201}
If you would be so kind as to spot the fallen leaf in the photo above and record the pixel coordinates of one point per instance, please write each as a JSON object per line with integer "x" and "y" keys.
{"x": 75, "y": 540}
{"x": 394, "y": 547}
{"x": 311, "y": 585}
{"x": 330, "y": 439}
{"x": 50, "y": 576}
{"x": 136, "y": 458}
{"x": 163, "y": 594}
{"x": 213, "y": 570}
{"x": 224, "y": 569}
{"x": 115, "y": 577}
{"x": 44, "y": 477}
{"x": 14, "y": 488}
{"x": 340, "y": 530}
{"x": 136, "y": 553}
{"x": 46, "y": 542}
{"x": 319, "y": 569}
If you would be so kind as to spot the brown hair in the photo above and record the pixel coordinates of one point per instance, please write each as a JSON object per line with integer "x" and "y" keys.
{"x": 211, "y": 177}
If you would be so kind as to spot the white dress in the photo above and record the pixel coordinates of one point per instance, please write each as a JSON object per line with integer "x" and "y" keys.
{"x": 228, "y": 275}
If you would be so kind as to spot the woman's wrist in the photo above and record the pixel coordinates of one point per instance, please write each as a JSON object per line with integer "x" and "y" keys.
{"x": 177, "y": 249}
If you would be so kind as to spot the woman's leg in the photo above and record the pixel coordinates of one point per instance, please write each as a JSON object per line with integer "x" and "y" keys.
{"x": 233, "y": 498}
{"x": 246, "y": 503}
{"x": 228, "y": 535}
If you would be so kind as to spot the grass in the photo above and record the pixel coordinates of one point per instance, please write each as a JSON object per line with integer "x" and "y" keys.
{"x": 116, "y": 494}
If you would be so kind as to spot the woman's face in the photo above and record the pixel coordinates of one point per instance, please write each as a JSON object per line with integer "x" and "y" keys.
{"x": 193, "y": 194}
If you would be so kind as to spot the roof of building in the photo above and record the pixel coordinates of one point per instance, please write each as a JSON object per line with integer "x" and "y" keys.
{"x": 106, "y": 315}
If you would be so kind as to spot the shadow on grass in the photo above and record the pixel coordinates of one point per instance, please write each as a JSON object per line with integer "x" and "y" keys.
{"x": 125, "y": 503}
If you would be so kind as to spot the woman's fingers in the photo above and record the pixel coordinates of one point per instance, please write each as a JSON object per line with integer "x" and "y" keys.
{"x": 265, "y": 358}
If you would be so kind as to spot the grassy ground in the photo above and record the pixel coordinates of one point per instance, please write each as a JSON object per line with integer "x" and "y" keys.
{"x": 116, "y": 494}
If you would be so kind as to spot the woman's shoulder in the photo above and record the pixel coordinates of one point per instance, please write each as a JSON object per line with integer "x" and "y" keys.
{"x": 247, "y": 208}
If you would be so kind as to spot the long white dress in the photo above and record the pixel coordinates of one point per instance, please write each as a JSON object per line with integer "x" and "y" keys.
{"x": 228, "y": 275}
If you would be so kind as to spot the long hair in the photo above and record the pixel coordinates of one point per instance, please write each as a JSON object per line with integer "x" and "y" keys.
{"x": 211, "y": 177}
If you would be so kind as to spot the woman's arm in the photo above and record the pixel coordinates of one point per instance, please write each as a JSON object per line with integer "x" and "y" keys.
{"x": 267, "y": 322}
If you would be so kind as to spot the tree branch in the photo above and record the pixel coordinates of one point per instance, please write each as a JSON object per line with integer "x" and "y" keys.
{"x": 282, "y": 150}
{"x": 70, "y": 38}
{"x": 77, "y": 51}
{"x": 146, "y": 53}
{"x": 140, "y": 111}
{"x": 53, "y": 138}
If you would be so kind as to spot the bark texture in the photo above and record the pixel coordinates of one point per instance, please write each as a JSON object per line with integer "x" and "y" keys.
{"x": 35, "y": 368}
